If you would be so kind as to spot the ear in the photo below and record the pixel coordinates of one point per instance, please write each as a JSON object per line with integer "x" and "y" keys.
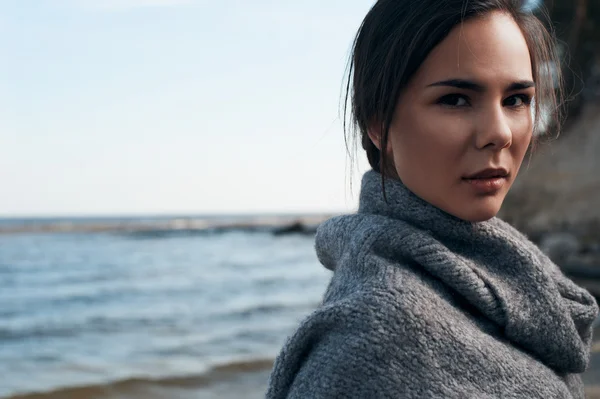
{"x": 375, "y": 132}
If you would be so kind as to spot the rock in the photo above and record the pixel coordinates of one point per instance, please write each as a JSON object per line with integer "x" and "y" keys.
{"x": 555, "y": 200}
{"x": 295, "y": 228}
{"x": 560, "y": 246}
{"x": 558, "y": 189}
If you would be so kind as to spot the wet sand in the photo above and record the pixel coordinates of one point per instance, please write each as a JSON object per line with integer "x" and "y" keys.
{"x": 238, "y": 380}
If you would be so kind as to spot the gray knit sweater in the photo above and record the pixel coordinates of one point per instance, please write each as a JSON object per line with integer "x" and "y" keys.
{"x": 424, "y": 305}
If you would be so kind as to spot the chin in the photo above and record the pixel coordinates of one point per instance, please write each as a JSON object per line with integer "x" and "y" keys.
{"x": 476, "y": 211}
{"x": 481, "y": 212}
{"x": 480, "y": 217}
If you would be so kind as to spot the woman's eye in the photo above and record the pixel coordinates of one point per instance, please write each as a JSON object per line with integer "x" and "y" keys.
{"x": 454, "y": 100}
{"x": 518, "y": 100}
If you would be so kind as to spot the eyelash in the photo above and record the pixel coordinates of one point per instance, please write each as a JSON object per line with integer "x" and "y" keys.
{"x": 444, "y": 100}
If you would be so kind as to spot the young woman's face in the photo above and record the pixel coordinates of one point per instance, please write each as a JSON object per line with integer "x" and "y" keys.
{"x": 466, "y": 110}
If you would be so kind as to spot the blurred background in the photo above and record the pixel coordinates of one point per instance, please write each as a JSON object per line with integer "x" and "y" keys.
{"x": 164, "y": 165}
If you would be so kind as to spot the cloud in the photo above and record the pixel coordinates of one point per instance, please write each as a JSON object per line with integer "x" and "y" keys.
{"x": 128, "y": 4}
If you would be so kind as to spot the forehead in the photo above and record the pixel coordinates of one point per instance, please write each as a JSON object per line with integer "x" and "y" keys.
{"x": 490, "y": 49}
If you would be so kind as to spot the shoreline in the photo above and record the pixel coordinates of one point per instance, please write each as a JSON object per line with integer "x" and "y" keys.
{"x": 218, "y": 379}
{"x": 182, "y": 226}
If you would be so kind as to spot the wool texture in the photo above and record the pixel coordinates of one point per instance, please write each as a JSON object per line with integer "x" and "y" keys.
{"x": 422, "y": 304}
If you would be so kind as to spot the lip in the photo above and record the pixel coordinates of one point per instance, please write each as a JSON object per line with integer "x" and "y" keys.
{"x": 489, "y": 173}
{"x": 488, "y": 181}
{"x": 487, "y": 185}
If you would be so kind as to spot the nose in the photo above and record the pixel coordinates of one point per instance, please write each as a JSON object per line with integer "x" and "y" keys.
{"x": 494, "y": 131}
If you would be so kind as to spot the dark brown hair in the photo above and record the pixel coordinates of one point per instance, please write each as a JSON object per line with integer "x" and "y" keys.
{"x": 394, "y": 39}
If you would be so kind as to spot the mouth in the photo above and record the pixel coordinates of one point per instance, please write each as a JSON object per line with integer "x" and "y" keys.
{"x": 488, "y": 181}
{"x": 489, "y": 173}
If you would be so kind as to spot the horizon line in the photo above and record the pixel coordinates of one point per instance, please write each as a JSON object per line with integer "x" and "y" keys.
{"x": 168, "y": 214}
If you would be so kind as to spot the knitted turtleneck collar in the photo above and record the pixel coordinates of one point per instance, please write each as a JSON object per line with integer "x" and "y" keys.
{"x": 489, "y": 264}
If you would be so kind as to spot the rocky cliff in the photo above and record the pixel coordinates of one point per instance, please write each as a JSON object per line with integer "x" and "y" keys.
{"x": 556, "y": 199}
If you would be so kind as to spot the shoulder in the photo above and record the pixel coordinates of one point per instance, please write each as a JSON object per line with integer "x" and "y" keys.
{"x": 371, "y": 343}
{"x": 346, "y": 348}
{"x": 369, "y": 308}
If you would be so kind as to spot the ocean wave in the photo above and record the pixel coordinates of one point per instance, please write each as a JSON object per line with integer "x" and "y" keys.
{"x": 113, "y": 325}
{"x": 95, "y": 325}
{"x": 266, "y": 308}
{"x": 140, "y": 386}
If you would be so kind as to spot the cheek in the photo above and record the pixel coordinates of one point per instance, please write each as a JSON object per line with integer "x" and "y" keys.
{"x": 428, "y": 147}
{"x": 428, "y": 137}
{"x": 522, "y": 132}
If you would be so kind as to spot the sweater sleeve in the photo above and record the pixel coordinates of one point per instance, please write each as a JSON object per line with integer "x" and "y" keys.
{"x": 349, "y": 349}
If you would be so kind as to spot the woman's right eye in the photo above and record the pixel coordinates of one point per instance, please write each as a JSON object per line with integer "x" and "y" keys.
{"x": 454, "y": 100}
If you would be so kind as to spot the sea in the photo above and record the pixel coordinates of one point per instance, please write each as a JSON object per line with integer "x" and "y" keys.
{"x": 96, "y": 308}
{"x": 170, "y": 307}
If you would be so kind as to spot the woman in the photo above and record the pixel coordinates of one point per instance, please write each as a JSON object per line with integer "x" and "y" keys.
{"x": 432, "y": 296}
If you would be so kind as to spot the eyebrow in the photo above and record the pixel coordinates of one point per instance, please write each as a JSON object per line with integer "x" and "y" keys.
{"x": 474, "y": 86}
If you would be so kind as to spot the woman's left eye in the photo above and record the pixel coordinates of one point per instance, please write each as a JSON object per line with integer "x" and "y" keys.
{"x": 518, "y": 100}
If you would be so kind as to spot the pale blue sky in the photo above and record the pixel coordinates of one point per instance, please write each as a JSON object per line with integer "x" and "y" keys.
{"x": 159, "y": 106}
{"x": 174, "y": 106}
